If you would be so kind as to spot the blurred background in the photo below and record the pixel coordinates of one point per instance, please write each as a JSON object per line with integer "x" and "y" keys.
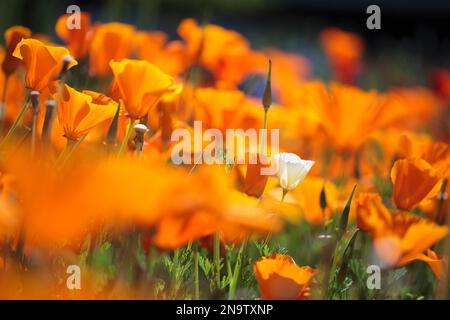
{"x": 414, "y": 36}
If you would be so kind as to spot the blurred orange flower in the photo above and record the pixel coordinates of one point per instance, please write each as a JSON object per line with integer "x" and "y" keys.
{"x": 227, "y": 109}
{"x": 436, "y": 153}
{"x": 441, "y": 81}
{"x": 404, "y": 237}
{"x": 9, "y": 208}
{"x": 111, "y": 41}
{"x": 13, "y": 36}
{"x": 149, "y": 44}
{"x": 370, "y": 212}
{"x": 77, "y": 39}
{"x": 400, "y": 237}
{"x": 152, "y": 84}
{"x": 290, "y": 70}
{"x": 437, "y": 264}
{"x": 225, "y": 53}
{"x": 62, "y": 206}
{"x": 80, "y": 112}
{"x": 43, "y": 63}
{"x": 344, "y": 51}
{"x": 255, "y": 182}
{"x": 176, "y": 231}
{"x": 14, "y": 92}
{"x": 280, "y": 278}
{"x": 308, "y": 196}
{"x": 348, "y": 114}
{"x": 414, "y": 180}
{"x": 422, "y": 105}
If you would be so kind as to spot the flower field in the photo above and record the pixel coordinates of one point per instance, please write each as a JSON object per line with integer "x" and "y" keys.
{"x": 136, "y": 164}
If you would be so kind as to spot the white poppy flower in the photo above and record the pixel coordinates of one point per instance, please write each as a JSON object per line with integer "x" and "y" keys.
{"x": 291, "y": 170}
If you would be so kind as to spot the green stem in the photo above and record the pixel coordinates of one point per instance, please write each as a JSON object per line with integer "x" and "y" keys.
{"x": 66, "y": 152}
{"x": 126, "y": 138}
{"x": 285, "y": 191}
{"x": 216, "y": 256}
{"x": 34, "y": 132}
{"x": 263, "y": 140}
{"x": 196, "y": 273}
{"x": 174, "y": 278}
{"x": 62, "y": 81}
{"x": 3, "y": 105}
{"x": 74, "y": 147}
{"x": 237, "y": 269}
{"x": 17, "y": 120}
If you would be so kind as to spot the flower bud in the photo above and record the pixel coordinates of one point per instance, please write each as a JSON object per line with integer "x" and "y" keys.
{"x": 267, "y": 96}
{"x": 291, "y": 170}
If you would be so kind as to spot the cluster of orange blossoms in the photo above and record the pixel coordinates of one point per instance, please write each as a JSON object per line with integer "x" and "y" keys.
{"x": 76, "y": 162}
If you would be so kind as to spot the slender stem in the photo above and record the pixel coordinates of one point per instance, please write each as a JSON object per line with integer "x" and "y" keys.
{"x": 216, "y": 256}
{"x": 3, "y": 105}
{"x": 17, "y": 120}
{"x": 70, "y": 148}
{"x": 65, "y": 152}
{"x": 34, "y": 132}
{"x": 126, "y": 138}
{"x": 237, "y": 269}
{"x": 34, "y": 97}
{"x": 265, "y": 118}
{"x": 285, "y": 191}
{"x": 196, "y": 273}
{"x": 62, "y": 81}
{"x": 48, "y": 120}
{"x": 176, "y": 255}
{"x": 263, "y": 139}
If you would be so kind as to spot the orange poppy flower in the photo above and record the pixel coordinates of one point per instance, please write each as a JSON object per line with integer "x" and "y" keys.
{"x": 348, "y": 114}
{"x": 399, "y": 238}
{"x": 422, "y": 106}
{"x": 404, "y": 237}
{"x": 217, "y": 108}
{"x": 244, "y": 216}
{"x": 280, "y": 278}
{"x": 13, "y": 36}
{"x": 308, "y": 196}
{"x": 207, "y": 205}
{"x": 153, "y": 83}
{"x": 149, "y": 44}
{"x": 77, "y": 39}
{"x": 436, "y": 153}
{"x": 176, "y": 231}
{"x": 226, "y": 109}
{"x": 43, "y": 63}
{"x": 290, "y": 71}
{"x": 437, "y": 264}
{"x": 414, "y": 180}
{"x": 344, "y": 51}
{"x": 62, "y": 206}
{"x": 370, "y": 212}
{"x": 111, "y": 41}
{"x": 255, "y": 182}
{"x": 14, "y": 92}
{"x": 78, "y": 113}
{"x": 217, "y": 49}
{"x": 9, "y": 215}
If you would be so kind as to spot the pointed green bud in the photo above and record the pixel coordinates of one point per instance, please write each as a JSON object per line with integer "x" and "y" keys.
{"x": 323, "y": 198}
{"x": 111, "y": 136}
{"x": 345, "y": 213}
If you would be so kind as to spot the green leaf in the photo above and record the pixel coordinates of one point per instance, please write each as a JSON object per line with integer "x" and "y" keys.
{"x": 346, "y": 257}
{"x": 345, "y": 213}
